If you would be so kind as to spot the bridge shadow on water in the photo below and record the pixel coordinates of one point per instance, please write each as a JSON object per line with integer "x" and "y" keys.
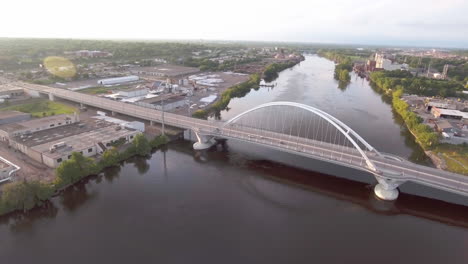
{"x": 362, "y": 194}
{"x": 345, "y": 189}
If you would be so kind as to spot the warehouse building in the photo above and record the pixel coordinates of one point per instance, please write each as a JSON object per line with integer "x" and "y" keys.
{"x": 170, "y": 71}
{"x": 62, "y": 142}
{"x": 118, "y": 80}
{"x": 448, "y": 113}
{"x": 89, "y": 144}
{"x": 8, "y": 117}
{"x": 169, "y": 101}
{"x": 28, "y": 127}
{"x": 10, "y": 92}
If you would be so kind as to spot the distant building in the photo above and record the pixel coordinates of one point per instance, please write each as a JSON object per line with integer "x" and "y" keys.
{"x": 89, "y": 53}
{"x": 371, "y": 65}
{"x": 381, "y": 62}
{"x": 119, "y": 80}
{"x": 166, "y": 70}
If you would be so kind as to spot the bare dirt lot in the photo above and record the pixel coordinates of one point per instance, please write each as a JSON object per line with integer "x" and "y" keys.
{"x": 30, "y": 169}
{"x": 228, "y": 80}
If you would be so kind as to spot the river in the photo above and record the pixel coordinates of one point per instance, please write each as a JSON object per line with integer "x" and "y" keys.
{"x": 242, "y": 204}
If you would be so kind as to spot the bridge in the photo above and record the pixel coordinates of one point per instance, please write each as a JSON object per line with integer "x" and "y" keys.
{"x": 289, "y": 127}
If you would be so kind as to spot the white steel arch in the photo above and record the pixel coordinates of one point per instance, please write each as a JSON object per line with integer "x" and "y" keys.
{"x": 340, "y": 126}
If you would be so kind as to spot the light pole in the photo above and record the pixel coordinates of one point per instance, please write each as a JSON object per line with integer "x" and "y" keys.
{"x": 162, "y": 108}
{"x": 189, "y": 114}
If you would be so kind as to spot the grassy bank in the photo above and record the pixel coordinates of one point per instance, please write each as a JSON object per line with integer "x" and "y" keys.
{"x": 42, "y": 108}
{"x": 24, "y": 195}
{"x": 455, "y": 156}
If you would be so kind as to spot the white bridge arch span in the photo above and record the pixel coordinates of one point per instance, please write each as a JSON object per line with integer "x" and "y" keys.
{"x": 340, "y": 126}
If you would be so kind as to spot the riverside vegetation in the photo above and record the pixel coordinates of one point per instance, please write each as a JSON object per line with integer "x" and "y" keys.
{"x": 395, "y": 83}
{"x": 343, "y": 67}
{"x": 25, "y": 195}
{"x": 240, "y": 90}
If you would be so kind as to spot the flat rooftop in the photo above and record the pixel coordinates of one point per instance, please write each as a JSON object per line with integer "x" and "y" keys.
{"x": 452, "y": 112}
{"x": 34, "y": 123}
{"x": 9, "y": 87}
{"x": 57, "y": 133}
{"x": 167, "y": 99}
{"x": 10, "y": 114}
{"x": 166, "y": 69}
{"x": 82, "y": 141}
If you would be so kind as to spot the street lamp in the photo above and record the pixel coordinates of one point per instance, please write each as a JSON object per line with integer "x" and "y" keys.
{"x": 162, "y": 108}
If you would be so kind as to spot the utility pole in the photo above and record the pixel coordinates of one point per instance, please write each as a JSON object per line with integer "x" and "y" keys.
{"x": 162, "y": 108}
{"x": 189, "y": 114}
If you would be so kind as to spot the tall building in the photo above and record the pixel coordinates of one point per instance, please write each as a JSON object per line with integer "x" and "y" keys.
{"x": 444, "y": 73}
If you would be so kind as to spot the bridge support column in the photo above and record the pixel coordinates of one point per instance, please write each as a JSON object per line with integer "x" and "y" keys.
{"x": 204, "y": 141}
{"x": 51, "y": 97}
{"x": 112, "y": 113}
{"x": 151, "y": 123}
{"x": 387, "y": 189}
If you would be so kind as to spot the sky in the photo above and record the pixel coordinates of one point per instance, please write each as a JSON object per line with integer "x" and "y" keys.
{"x": 381, "y": 22}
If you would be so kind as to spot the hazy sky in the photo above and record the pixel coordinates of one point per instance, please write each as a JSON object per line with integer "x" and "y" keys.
{"x": 395, "y": 22}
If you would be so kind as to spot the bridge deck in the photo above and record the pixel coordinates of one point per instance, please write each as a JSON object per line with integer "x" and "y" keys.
{"x": 393, "y": 169}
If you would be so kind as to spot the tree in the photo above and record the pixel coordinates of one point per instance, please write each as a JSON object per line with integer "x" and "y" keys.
{"x": 110, "y": 158}
{"x": 24, "y": 195}
{"x": 72, "y": 170}
{"x": 141, "y": 145}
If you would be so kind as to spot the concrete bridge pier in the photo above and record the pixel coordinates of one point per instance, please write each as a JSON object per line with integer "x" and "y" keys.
{"x": 387, "y": 189}
{"x": 51, "y": 97}
{"x": 204, "y": 141}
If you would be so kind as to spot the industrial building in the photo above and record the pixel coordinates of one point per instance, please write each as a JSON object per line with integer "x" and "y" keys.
{"x": 134, "y": 92}
{"x": 169, "y": 101}
{"x": 443, "y": 126}
{"x": 25, "y": 128}
{"x": 53, "y": 146}
{"x": 381, "y": 62}
{"x": 135, "y": 125}
{"x": 7, "y": 117}
{"x": 118, "y": 80}
{"x": 10, "y": 92}
{"x": 89, "y": 144}
{"x": 170, "y": 71}
{"x": 448, "y": 113}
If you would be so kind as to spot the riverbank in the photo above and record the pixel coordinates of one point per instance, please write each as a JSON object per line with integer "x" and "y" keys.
{"x": 444, "y": 156}
{"x": 240, "y": 90}
{"x": 26, "y": 195}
